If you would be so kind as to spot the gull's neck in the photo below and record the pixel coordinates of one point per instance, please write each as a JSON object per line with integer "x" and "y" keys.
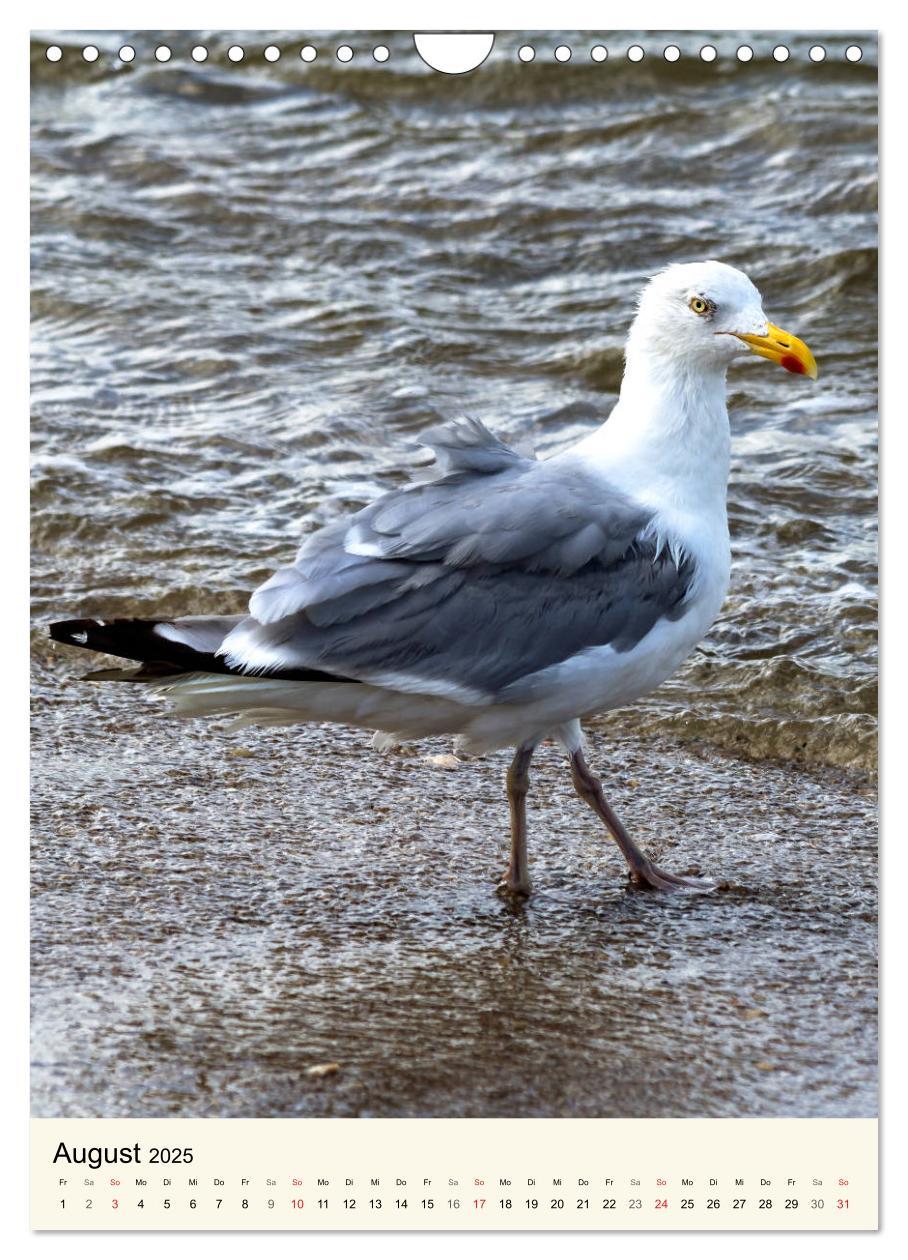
{"x": 667, "y": 440}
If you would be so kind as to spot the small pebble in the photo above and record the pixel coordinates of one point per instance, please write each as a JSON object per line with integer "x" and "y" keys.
{"x": 324, "y": 1069}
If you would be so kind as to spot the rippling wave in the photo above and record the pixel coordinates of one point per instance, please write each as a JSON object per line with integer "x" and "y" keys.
{"x": 253, "y": 284}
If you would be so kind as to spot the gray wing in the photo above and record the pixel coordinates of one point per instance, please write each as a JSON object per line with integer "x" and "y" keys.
{"x": 470, "y": 584}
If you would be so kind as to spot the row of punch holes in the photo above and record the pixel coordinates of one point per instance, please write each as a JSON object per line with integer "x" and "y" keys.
{"x": 526, "y": 53}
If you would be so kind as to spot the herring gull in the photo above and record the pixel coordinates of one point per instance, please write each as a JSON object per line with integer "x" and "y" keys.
{"x": 509, "y": 598}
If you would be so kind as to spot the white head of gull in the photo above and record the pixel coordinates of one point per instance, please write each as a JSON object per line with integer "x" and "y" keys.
{"x": 509, "y": 598}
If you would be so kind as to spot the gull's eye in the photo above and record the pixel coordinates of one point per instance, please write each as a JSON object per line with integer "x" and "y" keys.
{"x": 700, "y": 306}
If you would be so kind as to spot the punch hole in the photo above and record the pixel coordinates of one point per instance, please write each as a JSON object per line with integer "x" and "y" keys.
{"x": 708, "y": 53}
{"x": 745, "y": 53}
{"x": 381, "y": 53}
{"x": 780, "y": 53}
{"x": 162, "y": 53}
{"x": 272, "y": 53}
{"x": 308, "y": 53}
{"x": 54, "y": 53}
{"x": 235, "y": 53}
{"x": 672, "y": 53}
{"x": 199, "y": 53}
{"x": 635, "y": 53}
{"x": 599, "y": 52}
{"x": 526, "y": 53}
{"x": 344, "y": 53}
{"x": 562, "y": 53}
{"x": 853, "y": 53}
{"x": 127, "y": 53}
{"x": 817, "y": 53}
{"x": 453, "y": 53}
{"x": 90, "y": 53}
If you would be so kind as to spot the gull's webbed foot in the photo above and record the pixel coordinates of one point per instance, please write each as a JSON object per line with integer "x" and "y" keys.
{"x": 514, "y": 887}
{"x": 647, "y": 877}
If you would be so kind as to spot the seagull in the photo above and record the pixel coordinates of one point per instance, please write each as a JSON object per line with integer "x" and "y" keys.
{"x": 508, "y": 598}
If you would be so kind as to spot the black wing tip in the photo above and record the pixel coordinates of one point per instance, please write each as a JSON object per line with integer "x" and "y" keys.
{"x": 75, "y": 632}
{"x": 133, "y": 639}
{"x": 129, "y": 637}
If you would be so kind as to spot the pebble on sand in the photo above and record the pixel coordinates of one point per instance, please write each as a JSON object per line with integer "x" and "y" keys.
{"x": 323, "y": 1069}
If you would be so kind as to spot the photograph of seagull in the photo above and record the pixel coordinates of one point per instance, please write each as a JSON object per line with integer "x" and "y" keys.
{"x": 509, "y": 598}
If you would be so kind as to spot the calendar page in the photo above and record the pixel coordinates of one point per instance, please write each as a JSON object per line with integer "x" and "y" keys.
{"x": 454, "y": 639}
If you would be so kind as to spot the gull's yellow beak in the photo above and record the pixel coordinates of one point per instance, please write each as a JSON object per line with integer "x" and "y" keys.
{"x": 783, "y": 348}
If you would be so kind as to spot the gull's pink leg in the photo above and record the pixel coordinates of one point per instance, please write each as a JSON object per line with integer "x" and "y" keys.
{"x": 516, "y": 880}
{"x": 643, "y": 872}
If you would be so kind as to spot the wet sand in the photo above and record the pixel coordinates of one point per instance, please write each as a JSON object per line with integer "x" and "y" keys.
{"x": 217, "y": 913}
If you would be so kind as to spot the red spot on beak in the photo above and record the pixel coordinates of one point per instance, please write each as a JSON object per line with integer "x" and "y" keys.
{"x": 791, "y": 364}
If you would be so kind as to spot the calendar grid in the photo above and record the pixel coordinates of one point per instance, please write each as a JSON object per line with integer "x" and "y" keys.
{"x": 454, "y": 1174}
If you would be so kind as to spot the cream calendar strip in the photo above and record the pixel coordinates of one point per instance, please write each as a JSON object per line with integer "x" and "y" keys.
{"x": 454, "y": 1174}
